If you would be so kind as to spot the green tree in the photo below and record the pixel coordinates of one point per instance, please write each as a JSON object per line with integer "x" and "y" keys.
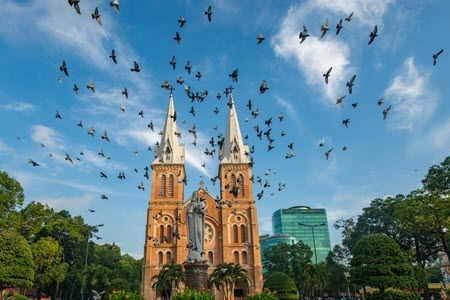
{"x": 283, "y": 285}
{"x": 337, "y": 281}
{"x": 226, "y": 275}
{"x": 16, "y": 261}
{"x": 11, "y": 196}
{"x": 379, "y": 262}
{"x": 289, "y": 259}
{"x": 170, "y": 276}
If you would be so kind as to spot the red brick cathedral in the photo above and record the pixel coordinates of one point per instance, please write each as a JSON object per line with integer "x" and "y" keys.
{"x": 231, "y": 227}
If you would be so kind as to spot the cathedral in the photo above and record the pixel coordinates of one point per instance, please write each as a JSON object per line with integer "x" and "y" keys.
{"x": 231, "y": 224}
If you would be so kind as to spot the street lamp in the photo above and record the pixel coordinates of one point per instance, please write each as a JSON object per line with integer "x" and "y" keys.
{"x": 86, "y": 256}
{"x": 314, "y": 239}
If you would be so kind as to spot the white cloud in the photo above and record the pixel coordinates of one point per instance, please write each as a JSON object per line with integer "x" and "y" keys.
{"x": 69, "y": 203}
{"x": 288, "y": 108}
{"x": 4, "y": 147}
{"x": 17, "y": 106}
{"x": 45, "y": 135}
{"x": 412, "y": 102}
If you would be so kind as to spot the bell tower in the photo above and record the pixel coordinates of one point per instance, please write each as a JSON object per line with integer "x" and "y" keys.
{"x": 164, "y": 213}
{"x": 239, "y": 215}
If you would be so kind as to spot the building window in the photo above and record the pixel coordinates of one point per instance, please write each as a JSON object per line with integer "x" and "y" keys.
{"x": 241, "y": 185}
{"x": 161, "y": 234}
{"x": 236, "y": 257}
{"x": 244, "y": 258}
{"x": 169, "y": 233}
{"x": 243, "y": 233}
{"x": 160, "y": 258}
{"x": 162, "y": 191}
{"x": 235, "y": 234}
{"x": 211, "y": 257}
{"x": 233, "y": 181}
{"x": 168, "y": 257}
{"x": 170, "y": 189}
{"x": 167, "y": 152}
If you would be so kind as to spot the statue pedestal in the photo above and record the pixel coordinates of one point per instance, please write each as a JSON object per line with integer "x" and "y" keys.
{"x": 196, "y": 275}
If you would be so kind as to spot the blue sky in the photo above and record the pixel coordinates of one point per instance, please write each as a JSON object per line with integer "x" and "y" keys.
{"x": 383, "y": 157}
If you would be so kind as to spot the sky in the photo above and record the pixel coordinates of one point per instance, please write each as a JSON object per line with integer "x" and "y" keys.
{"x": 383, "y": 157}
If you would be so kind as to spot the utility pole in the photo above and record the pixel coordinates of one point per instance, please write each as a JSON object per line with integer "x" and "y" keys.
{"x": 313, "y": 236}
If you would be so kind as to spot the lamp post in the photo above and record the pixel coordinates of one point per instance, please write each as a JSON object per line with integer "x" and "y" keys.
{"x": 86, "y": 257}
{"x": 312, "y": 231}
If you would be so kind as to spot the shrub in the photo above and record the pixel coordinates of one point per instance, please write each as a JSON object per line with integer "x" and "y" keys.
{"x": 16, "y": 297}
{"x": 121, "y": 295}
{"x": 394, "y": 295}
{"x": 193, "y": 295}
{"x": 264, "y": 295}
{"x": 283, "y": 286}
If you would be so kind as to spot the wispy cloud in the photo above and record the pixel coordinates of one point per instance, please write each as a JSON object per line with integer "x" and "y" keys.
{"x": 47, "y": 136}
{"x": 4, "y": 148}
{"x": 288, "y": 108}
{"x": 17, "y": 106}
{"x": 413, "y": 103}
{"x": 74, "y": 203}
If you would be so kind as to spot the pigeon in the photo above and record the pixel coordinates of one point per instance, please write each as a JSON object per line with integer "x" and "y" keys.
{"x": 192, "y": 111}
{"x": 380, "y": 101}
{"x": 354, "y": 105}
{"x": 173, "y": 62}
{"x": 345, "y": 122}
{"x": 340, "y": 101}
{"x": 96, "y": 16}
{"x": 68, "y": 158}
{"x": 181, "y": 21}
{"x": 103, "y": 197}
{"x": 234, "y": 75}
{"x": 91, "y": 210}
{"x": 125, "y": 92}
{"x": 188, "y": 67}
{"x": 91, "y": 86}
{"x": 373, "y": 34}
{"x": 76, "y": 5}
{"x": 351, "y": 83}
{"x": 103, "y": 175}
{"x": 100, "y": 153}
{"x": 115, "y": 4}
{"x": 344, "y": 148}
{"x": 105, "y": 136}
{"x": 280, "y": 117}
{"x": 209, "y": 13}
{"x": 58, "y": 116}
{"x": 436, "y": 55}
{"x": 151, "y": 126}
{"x": 33, "y": 163}
{"x": 198, "y": 75}
{"x": 349, "y": 17}
{"x": 385, "y": 112}
{"x": 75, "y": 88}
{"x": 141, "y": 186}
{"x": 339, "y": 27}
{"x": 80, "y": 124}
{"x": 135, "y": 67}
{"x": 249, "y": 104}
{"x": 177, "y": 37}
{"x": 263, "y": 87}
{"x": 63, "y": 68}
{"x": 113, "y": 56}
{"x": 327, "y": 75}
{"x": 303, "y": 35}
{"x": 180, "y": 80}
{"x": 327, "y": 154}
{"x": 91, "y": 131}
{"x": 141, "y": 113}
{"x": 324, "y": 28}
{"x": 166, "y": 85}
{"x": 60, "y": 79}
{"x": 216, "y": 110}
{"x": 260, "y": 38}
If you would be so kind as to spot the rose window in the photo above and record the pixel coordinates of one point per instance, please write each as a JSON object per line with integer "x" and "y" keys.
{"x": 209, "y": 233}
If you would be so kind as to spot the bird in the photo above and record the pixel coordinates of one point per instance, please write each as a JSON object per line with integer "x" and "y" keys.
{"x": 75, "y": 88}
{"x": 349, "y": 17}
{"x": 436, "y": 55}
{"x": 33, "y": 163}
{"x": 80, "y": 124}
{"x": 91, "y": 210}
{"x": 115, "y": 4}
{"x": 380, "y": 101}
{"x": 174, "y": 116}
{"x": 63, "y": 68}
{"x": 181, "y": 21}
{"x": 198, "y": 75}
{"x": 180, "y": 80}
{"x": 327, "y": 153}
{"x": 263, "y": 87}
{"x": 280, "y": 117}
{"x": 68, "y": 158}
{"x": 103, "y": 175}
{"x": 351, "y": 83}
{"x": 135, "y": 67}
{"x": 177, "y": 37}
{"x": 373, "y": 34}
{"x": 113, "y": 56}
{"x": 234, "y": 75}
{"x": 166, "y": 85}
{"x": 101, "y": 153}
{"x": 141, "y": 186}
{"x": 141, "y": 113}
{"x": 344, "y": 148}
{"x": 91, "y": 131}
{"x": 103, "y": 197}
{"x": 321, "y": 144}
{"x": 192, "y": 111}
{"x": 105, "y": 136}
{"x": 188, "y": 67}
{"x": 91, "y": 86}
{"x": 339, "y": 26}
{"x": 260, "y": 38}
{"x": 125, "y": 92}
{"x": 326, "y": 75}
{"x": 303, "y": 35}
{"x": 76, "y": 5}
{"x": 345, "y": 122}
{"x": 96, "y": 16}
{"x": 354, "y": 105}
{"x": 386, "y": 111}
{"x": 58, "y": 116}
{"x": 324, "y": 28}
{"x": 340, "y": 101}
{"x": 209, "y": 13}
{"x": 173, "y": 62}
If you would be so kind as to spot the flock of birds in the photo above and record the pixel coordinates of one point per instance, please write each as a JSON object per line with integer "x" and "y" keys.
{"x": 263, "y": 132}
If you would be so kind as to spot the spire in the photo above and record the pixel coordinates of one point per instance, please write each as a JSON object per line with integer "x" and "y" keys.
{"x": 233, "y": 149}
{"x": 170, "y": 151}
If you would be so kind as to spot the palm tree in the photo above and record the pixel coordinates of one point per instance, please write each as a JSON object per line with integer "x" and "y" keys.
{"x": 225, "y": 276}
{"x": 170, "y": 276}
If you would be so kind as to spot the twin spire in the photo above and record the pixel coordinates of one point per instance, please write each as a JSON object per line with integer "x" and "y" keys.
{"x": 171, "y": 151}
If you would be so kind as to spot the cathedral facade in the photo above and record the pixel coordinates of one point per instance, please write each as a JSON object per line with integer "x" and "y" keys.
{"x": 231, "y": 225}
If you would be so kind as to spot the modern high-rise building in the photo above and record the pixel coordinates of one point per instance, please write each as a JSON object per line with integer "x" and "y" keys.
{"x": 313, "y": 230}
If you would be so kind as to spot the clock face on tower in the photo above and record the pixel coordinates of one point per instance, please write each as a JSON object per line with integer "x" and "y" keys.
{"x": 209, "y": 233}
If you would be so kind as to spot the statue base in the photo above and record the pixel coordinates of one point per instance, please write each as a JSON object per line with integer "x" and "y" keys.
{"x": 196, "y": 275}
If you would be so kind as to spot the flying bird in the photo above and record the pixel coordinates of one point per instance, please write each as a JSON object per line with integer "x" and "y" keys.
{"x": 263, "y": 87}
{"x": 327, "y": 154}
{"x": 209, "y": 13}
{"x": 260, "y": 38}
{"x": 345, "y": 122}
{"x": 324, "y": 28}
{"x": 326, "y": 75}
{"x": 75, "y": 88}
{"x": 63, "y": 68}
{"x": 181, "y": 21}
{"x": 103, "y": 175}
{"x": 105, "y": 136}
{"x": 385, "y": 112}
{"x": 380, "y": 101}
{"x": 113, "y": 56}
{"x": 436, "y": 55}
{"x": 68, "y": 158}
{"x": 96, "y": 16}
{"x": 351, "y": 83}
{"x": 354, "y": 105}
{"x": 173, "y": 62}
{"x": 33, "y": 163}
{"x": 58, "y": 116}
{"x": 135, "y": 67}
{"x": 339, "y": 26}
{"x": 177, "y": 37}
{"x": 76, "y": 5}
{"x": 91, "y": 86}
{"x": 234, "y": 75}
{"x": 198, "y": 75}
{"x": 125, "y": 92}
{"x": 103, "y": 197}
{"x": 340, "y": 101}
{"x": 303, "y": 35}
{"x": 188, "y": 67}
{"x": 373, "y": 34}
{"x": 115, "y": 4}
{"x": 349, "y": 17}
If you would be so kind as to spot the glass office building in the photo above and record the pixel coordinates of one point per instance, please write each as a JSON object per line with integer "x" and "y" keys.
{"x": 271, "y": 240}
{"x": 286, "y": 222}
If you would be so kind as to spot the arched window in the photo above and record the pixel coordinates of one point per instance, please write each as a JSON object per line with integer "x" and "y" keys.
{"x": 169, "y": 233}
{"x": 160, "y": 258}
{"x": 236, "y": 257}
{"x": 243, "y": 233}
{"x": 241, "y": 185}
{"x": 167, "y": 153}
{"x": 211, "y": 257}
{"x": 162, "y": 192}
{"x": 233, "y": 180}
{"x": 170, "y": 188}
{"x": 235, "y": 234}
{"x": 244, "y": 258}
{"x": 161, "y": 234}
{"x": 168, "y": 257}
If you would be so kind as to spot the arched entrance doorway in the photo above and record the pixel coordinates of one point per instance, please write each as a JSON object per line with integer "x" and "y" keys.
{"x": 241, "y": 290}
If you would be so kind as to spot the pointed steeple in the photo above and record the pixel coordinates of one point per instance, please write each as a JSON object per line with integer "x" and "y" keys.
{"x": 233, "y": 149}
{"x": 170, "y": 151}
